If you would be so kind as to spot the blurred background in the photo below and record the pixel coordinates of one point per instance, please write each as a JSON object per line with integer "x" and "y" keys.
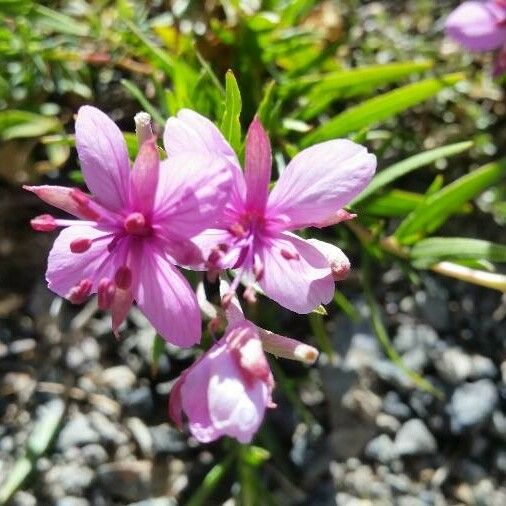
{"x": 406, "y": 404}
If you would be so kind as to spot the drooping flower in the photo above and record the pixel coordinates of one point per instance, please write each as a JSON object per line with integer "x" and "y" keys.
{"x": 226, "y": 391}
{"x": 133, "y": 228}
{"x": 480, "y": 25}
{"x": 254, "y": 235}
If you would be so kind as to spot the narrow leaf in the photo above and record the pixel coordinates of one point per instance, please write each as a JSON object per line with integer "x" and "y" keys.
{"x": 380, "y": 108}
{"x": 397, "y": 170}
{"x": 439, "y": 206}
{"x": 230, "y": 124}
{"x": 429, "y": 251}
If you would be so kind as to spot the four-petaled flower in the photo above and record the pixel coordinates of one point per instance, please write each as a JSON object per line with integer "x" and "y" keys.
{"x": 135, "y": 226}
{"x": 254, "y": 235}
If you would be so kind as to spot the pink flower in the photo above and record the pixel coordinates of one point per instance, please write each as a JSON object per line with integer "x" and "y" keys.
{"x": 226, "y": 392}
{"x": 254, "y": 234}
{"x": 481, "y": 26}
{"x": 133, "y": 228}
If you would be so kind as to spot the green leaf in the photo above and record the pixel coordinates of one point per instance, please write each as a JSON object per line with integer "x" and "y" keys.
{"x": 267, "y": 107}
{"x": 59, "y": 22}
{"x": 391, "y": 204}
{"x": 210, "y": 482}
{"x": 353, "y": 82}
{"x": 429, "y": 251}
{"x": 255, "y": 455}
{"x": 397, "y": 170}
{"x": 380, "y": 108}
{"x": 320, "y": 310}
{"x": 16, "y": 124}
{"x": 45, "y": 430}
{"x": 230, "y": 124}
{"x": 439, "y": 206}
{"x": 157, "y": 351}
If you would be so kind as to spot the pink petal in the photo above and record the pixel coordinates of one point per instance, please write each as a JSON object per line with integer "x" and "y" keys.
{"x": 236, "y": 409}
{"x": 60, "y": 197}
{"x": 144, "y": 177}
{"x": 478, "y": 26}
{"x": 338, "y": 261}
{"x": 194, "y": 401}
{"x": 257, "y": 168}
{"x": 233, "y": 311}
{"x": 297, "y": 284}
{"x": 167, "y": 299}
{"x": 192, "y": 191}
{"x": 190, "y": 132}
{"x": 104, "y": 158}
{"x": 65, "y": 269}
{"x": 319, "y": 181}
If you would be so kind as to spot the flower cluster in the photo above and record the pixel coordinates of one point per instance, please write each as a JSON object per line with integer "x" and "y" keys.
{"x": 197, "y": 210}
{"x": 481, "y": 26}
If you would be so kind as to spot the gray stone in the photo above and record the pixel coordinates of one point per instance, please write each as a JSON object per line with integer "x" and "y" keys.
{"x": 68, "y": 479}
{"x": 454, "y": 365}
{"x": 500, "y": 461}
{"x": 109, "y": 432}
{"x": 499, "y": 424}
{"x": 391, "y": 373}
{"x": 381, "y": 449}
{"x": 129, "y": 480}
{"x": 472, "y": 404}
{"x": 77, "y": 432}
{"x": 22, "y": 498}
{"x": 94, "y": 455}
{"x": 410, "y": 336}
{"x": 387, "y": 423}
{"x": 166, "y": 439}
{"x": 142, "y": 435}
{"x": 158, "y": 501}
{"x": 416, "y": 359}
{"x": 72, "y": 501}
{"x": 119, "y": 377}
{"x": 414, "y": 438}
{"x": 138, "y": 402}
{"x": 393, "y": 405}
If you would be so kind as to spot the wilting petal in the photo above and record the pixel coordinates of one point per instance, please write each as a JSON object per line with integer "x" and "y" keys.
{"x": 338, "y": 261}
{"x": 299, "y": 284}
{"x": 167, "y": 299}
{"x": 190, "y": 132}
{"x": 144, "y": 177}
{"x": 257, "y": 167}
{"x": 66, "y": 269}
{"x": 192, "y": 191}
{"x": 478, "y": 26}
{"x": 104, "y": 158}
{"x": 236, "y": 408}
{"x": 233, "y": 311}
{"x": 319, "y": 181}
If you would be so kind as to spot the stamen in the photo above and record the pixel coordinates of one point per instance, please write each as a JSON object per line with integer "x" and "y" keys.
{"x": 227, "y": 299}
{"x": 289, "y": 255}
{"x": 135, "y": 223}
{"x": 123, "y": 278}
{"x": 237, "y": 230}
{"x": 80, "y": 245}
{"x": 79, "y": 293}
{"x": 106, "y": 290}
{"x": 250, "y": 295}
{"x": 44, "y": 223}
{"x": 258, "y": 268}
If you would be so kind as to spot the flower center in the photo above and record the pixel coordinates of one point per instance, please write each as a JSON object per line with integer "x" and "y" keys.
{"x": 136, "y": 224}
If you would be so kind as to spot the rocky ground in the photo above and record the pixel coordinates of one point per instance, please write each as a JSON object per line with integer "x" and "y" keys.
{"x": 365, "y": 435}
